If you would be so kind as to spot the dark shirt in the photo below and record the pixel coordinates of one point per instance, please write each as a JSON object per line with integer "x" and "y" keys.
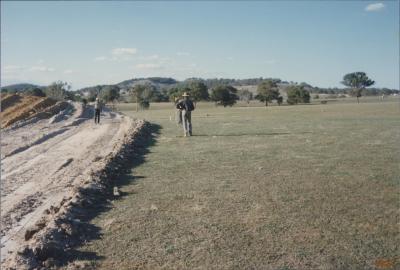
{"x": 185, "y": 104}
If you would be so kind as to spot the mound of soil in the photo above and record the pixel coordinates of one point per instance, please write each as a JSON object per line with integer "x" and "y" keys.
{"x": 9, "y": 100}
{"x": 15, "y": 108}
{"x": 58, "y": 220}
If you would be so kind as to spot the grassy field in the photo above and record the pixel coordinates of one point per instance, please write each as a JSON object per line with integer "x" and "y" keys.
{"x": 290, "y": 187}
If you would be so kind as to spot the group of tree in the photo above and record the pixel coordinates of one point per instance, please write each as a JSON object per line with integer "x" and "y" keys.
{"x": 58, "y": 90}
{"x": 221, "y": 91}
{"x": 297, "y": 94}
{"x": 197, "y": 90}
{"x": 110, "y": 93}
{"x": 215, "y": 82}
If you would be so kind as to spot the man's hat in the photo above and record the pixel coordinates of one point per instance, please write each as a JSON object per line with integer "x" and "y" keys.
{"x": 185, "y": 94}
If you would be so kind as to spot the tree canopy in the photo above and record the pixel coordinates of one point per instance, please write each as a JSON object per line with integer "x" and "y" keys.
{"x": 198, "y": 91}
{"x": 268, "y": 91}
{"x": 224, "y": 95}
{"x": 142, "y": 95}
{"x": 297, "y": 94}
{"x": 58, "y": 90}
{"x": 357, "y": 81}
{"x": 110, "y": 93}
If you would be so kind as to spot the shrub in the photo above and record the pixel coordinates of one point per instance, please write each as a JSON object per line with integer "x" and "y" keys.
{"x": 297, "y": 94}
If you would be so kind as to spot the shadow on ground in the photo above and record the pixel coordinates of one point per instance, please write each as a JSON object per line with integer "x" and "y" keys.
{"x": 89, "y": 232}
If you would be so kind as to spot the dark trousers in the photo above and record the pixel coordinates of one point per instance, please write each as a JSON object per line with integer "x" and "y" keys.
{"x": 97, "y": 116}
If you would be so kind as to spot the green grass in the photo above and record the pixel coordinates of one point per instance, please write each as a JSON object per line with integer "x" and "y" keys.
{"x": 290, "y": 187}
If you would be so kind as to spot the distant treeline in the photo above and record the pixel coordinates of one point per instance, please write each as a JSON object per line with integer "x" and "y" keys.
{"x": 158, "y": 89}
{"x": 347, "y": 91}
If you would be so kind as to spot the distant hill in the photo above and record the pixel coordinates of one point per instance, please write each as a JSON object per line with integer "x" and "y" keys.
{"x": 157, "y": 82}
{"x": 20, "y": 87}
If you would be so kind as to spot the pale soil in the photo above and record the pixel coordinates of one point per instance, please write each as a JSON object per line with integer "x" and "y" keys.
{"x": 41, "y": 162}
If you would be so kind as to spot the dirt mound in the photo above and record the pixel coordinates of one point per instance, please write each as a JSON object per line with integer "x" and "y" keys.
{"x": 62, "y": 225}
{"x": 17, "y": 107}
{"x": 9, "y": 100}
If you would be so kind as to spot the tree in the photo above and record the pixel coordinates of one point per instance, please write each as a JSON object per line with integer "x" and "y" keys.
{"x": 297, "y": 94}
{"x": 148, "y": 92}
{"x": 267, "y": 91}
{"x": 279, "y": 100}
{"x": 110, "y": 93}
{"x": 224, "y": 95}
{"x": 136, "y": 94}
{"x": 198, "y": 91}
{"x": 245, "y": 95}
{"x": 357, "y": 81}
{"x": 144, "y": 104}
{"x": 160, "y": 96}
{"x": 176, "y": 92}
{"x": 57, "y": 90}
{"x": 142, "y": 95}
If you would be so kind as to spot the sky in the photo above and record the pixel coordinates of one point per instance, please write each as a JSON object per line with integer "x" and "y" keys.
{"x": 106, "y": 42}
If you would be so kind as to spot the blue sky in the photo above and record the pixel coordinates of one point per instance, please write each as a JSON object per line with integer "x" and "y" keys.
{"x": 89, "y": 43}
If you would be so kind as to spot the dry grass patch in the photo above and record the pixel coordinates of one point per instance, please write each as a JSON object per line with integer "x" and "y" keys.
{"x": 302, "y": 187}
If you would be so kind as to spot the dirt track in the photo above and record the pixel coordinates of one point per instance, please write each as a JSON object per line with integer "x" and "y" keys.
{"x": 41, "y": 162}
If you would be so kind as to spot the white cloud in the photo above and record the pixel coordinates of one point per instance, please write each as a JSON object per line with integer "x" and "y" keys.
{"x": 123, "y": 51}
{"x": 100, "y": 58}
{"x": 40, "y": 61}
{"x": 68, "y": 71}
{"x": 230, "y": 58}
{"x": 148, "y": 66}
{"x": 374, "y": 7}
{"x": 42, "y": 69}
{"x": 182, "y": 53}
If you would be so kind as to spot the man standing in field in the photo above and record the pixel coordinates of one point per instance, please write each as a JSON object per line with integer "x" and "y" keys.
{"x": 186, "y": 106}
{"x": 97, "y": 110}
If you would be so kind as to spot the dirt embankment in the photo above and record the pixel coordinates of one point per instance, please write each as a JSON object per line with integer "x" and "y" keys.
{"x": 16, "y": 107}
{"x": 62, "y": 225}
{"x": 52, "y": 170}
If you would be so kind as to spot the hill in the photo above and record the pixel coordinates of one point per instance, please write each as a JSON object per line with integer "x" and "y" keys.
{"x": 157, "y": 82}
{"x": 20, "y": 87}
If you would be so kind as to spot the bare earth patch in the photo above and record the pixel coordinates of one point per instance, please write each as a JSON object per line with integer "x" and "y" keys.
{"x": 46, "y": 165}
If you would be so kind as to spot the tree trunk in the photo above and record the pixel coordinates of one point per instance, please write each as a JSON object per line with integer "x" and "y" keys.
{"x": 358, "y": 101}
{"x": 137, "y": 105}
{"x": 266, "y": 103}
